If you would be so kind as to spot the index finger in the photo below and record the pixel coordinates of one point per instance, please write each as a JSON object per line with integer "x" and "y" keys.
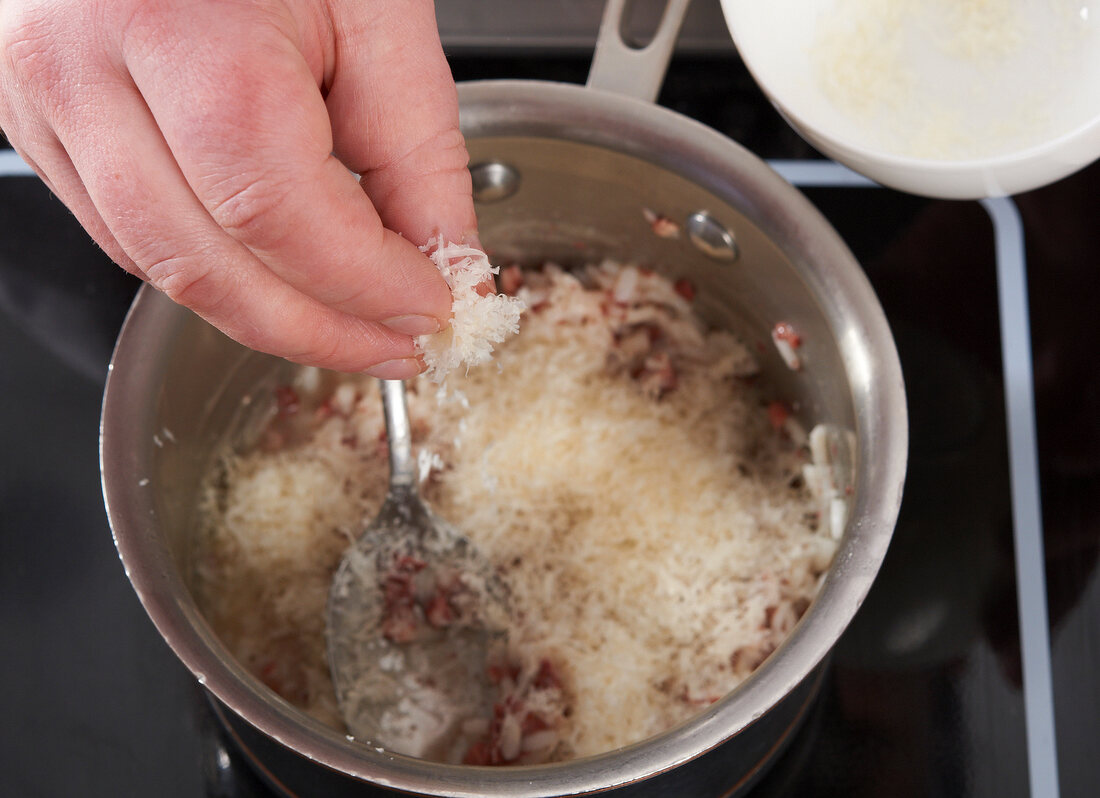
{"x": 240, "y": 109}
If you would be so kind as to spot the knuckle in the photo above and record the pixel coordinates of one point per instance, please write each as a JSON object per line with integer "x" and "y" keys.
{"x": 440, "y": 159}
{"x": 187, "y": 282}
{"x": 250, "y": 208}
{"x": 51, "y": 61}
{"x": 324, "y": 350}
{"x": 28, "y": 39}
{"x": 443, "y": 153}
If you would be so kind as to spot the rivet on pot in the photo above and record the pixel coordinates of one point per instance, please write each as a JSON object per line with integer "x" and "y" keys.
{"x": 711, "y": 236}
{"x": 494, "y": 181}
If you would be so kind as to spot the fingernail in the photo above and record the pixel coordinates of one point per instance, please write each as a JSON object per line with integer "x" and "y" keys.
{"x": 472, "y": 239}
{"x": 413, "y": 325}
{"x": 400, "y": 369}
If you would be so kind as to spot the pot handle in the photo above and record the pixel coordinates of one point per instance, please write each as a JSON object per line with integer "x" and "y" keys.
{"x": 634, "y": 71}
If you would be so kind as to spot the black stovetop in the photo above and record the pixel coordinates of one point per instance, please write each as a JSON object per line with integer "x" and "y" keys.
{"x": 928, "y": 693}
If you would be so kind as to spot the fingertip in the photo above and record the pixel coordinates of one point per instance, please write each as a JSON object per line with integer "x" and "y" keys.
{"x": 400, "y": 287}
{"x": 456, "y": 221}
{"x": 471, "y": 238}
{"x": 432, "y": 302}
{"x": 398, "y": 369}
{"x": 413, "y": 324}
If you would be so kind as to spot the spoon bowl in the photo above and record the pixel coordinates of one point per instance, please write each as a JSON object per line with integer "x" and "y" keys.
{"x": 415, "y": 615}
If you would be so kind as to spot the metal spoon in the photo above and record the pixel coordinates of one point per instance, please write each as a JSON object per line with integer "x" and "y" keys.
{"x": 414, "y": 613}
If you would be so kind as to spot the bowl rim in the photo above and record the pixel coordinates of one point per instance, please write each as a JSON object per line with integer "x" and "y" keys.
{"x": 1022, "y": 169}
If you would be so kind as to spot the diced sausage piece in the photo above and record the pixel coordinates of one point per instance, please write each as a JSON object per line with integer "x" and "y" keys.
{"x": 287, "y": 400}
{"x": 657, "y": 376}
{"x": 439, "y": 612}
{"x": 510, "y": 280}
{"x": 480, "y": 753}
{"x": 400, "y": 624}
{"x": 662, "y": 226}
{"x": 685, "y": 288}
{"x": 786, "y": 341}
{"x": 547, "y": 676}
{"x": 778, "y": 413}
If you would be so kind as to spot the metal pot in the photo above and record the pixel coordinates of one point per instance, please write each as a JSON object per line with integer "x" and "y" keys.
{"x": 562, "y": 173}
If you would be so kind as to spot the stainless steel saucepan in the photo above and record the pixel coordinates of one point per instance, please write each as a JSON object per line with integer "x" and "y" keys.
{"x": 564, "y": 173}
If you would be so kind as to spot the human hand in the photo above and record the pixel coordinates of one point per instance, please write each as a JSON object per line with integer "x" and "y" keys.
{"x": 208, "y": 147}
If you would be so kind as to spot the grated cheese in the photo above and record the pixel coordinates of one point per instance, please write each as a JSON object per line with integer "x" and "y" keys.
{"x": 952, "y": 79}
{"x": 655, "y": 531}
{"x": 478, "y": 321}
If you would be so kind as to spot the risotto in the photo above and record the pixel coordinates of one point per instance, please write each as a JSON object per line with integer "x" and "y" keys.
{"x": 660, "y": 526}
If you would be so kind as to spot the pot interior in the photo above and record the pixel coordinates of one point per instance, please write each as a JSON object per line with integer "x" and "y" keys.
{"x": 579, "y": 203}
{"x": 180, "y": 390}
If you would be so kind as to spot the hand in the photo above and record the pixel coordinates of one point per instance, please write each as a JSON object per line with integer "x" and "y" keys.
{"x": 209, "y": 147}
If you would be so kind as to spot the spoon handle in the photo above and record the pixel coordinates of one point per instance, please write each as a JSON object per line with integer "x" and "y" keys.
{"x": 402, "y": 463}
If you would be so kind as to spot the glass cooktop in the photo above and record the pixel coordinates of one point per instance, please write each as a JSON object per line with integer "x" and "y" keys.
{"x": 973, "y": 669}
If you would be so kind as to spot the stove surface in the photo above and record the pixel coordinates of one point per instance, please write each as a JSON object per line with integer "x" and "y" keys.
{"x": 933, "y": 692}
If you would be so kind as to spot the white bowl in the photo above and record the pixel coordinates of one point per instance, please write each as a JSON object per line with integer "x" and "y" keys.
{"x": 956, "y": 99}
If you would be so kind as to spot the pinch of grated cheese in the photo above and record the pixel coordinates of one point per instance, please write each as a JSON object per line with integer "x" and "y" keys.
{"x": 882, "y": 65}
{"x": 655, "y": 550}
{"x": 477, "y": 321}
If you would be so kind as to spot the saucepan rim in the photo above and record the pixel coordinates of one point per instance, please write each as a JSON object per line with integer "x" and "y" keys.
{"x": 672, "y": 142}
